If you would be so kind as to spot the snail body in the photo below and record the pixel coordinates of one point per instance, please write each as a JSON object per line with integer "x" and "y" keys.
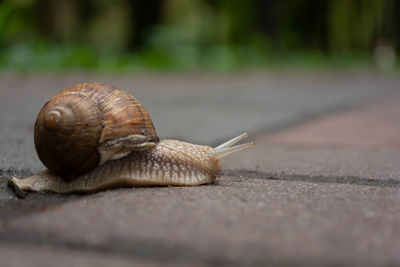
{"x": 169, "y": 163}
{"x": 133, "y": 156}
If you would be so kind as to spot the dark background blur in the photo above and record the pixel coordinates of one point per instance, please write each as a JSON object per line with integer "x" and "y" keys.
{"x": 197, "y": 34}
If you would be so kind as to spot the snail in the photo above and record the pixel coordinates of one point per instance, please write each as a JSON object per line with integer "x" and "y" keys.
{"x": 93, "y": 136}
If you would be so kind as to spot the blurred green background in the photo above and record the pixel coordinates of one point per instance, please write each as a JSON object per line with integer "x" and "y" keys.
{"x": 117, "y": 35}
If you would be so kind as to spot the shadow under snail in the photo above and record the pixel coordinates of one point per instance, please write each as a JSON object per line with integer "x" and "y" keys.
{"x": 93, "y": 136}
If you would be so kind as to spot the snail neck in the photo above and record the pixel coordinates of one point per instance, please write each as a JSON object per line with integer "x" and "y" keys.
{"x": 118, "y": 148}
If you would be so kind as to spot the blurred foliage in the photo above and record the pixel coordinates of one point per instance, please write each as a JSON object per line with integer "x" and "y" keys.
{"x": 196, "y": 34}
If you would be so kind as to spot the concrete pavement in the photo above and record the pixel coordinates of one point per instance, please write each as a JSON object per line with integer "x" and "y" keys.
{"x": 321, "y": 187}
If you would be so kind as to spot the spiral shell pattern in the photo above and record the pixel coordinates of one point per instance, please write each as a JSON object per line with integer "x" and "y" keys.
{"x": 74, "y": 123}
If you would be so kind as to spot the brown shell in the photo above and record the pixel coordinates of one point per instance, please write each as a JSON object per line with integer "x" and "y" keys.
{"x": 74, "y": 123}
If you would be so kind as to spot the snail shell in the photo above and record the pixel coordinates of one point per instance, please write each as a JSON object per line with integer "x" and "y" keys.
{"x": 88, "y": 124}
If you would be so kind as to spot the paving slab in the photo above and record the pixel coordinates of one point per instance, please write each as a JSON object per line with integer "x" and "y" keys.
{"x": 302, "y": 196}
{"x": 361, "y": 145}
{"x": 238, "y": 221}
{"x": 331, "y": 163}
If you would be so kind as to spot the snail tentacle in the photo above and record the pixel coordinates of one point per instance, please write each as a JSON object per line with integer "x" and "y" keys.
{"x": 227, "y": 148}
{"x": 232, "y": 141}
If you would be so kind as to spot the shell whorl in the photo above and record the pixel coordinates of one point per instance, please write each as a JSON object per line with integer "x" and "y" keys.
{"x": 71, "y": 127}
{"x": 67, "y": 132}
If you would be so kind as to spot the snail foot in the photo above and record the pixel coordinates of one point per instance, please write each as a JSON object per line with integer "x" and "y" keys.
{"x": 12, "y": 183}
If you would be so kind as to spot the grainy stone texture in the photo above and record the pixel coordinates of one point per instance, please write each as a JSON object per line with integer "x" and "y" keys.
{"x": 320, "y": 188}
{"x": 236, "y": 221}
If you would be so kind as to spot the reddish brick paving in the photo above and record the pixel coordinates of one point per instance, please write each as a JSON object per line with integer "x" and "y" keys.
{"x": 374, "y": 125}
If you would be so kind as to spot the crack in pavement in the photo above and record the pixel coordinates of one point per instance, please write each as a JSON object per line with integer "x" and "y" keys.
{"x": 146, "y": 250}
{"x": 354, "y": 180}
{"x": 127, "y": 248}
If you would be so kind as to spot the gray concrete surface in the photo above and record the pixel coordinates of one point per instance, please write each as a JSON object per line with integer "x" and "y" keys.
{"x": 204, "y": 109}
{"x": 289, "y": 201}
